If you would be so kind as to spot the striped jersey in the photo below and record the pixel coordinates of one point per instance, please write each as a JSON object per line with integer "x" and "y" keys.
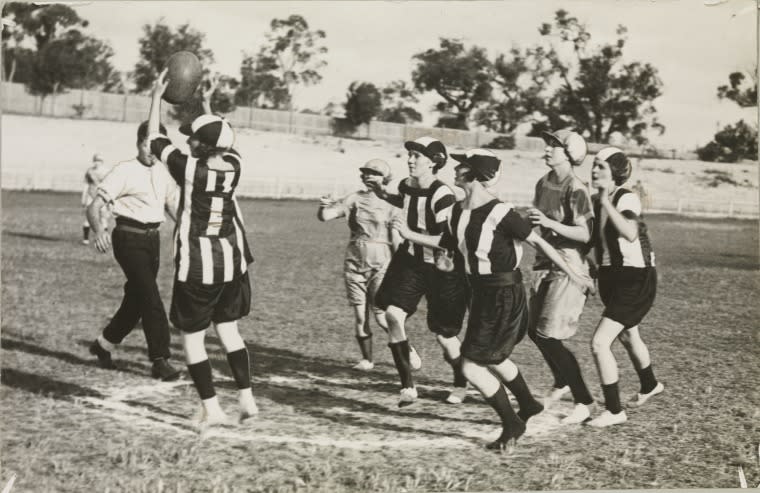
{"x": 427, "y": 211}
{"x": 210, "y": 246}
{"x": 489, "y": 237}
{"x": 567, "y": 202}
{"x": 611, "y": 248}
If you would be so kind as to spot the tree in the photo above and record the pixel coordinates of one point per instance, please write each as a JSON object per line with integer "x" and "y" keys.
{"x": 363, "y": 103}
{"x": 460, "y": 76}
{"x": 293, "y": 55}
{"x": 744, "y": 97}
{"x": 259, "y": 87}
{"x": 158, "y": 43}
{"x": 599, "y": 94}
{"x": 732, "y": 144}
{"x": 397, "y": 101}
{"x": 520, "y": 83}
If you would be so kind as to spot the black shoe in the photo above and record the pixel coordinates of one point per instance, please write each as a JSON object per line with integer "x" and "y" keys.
{"x": 104, "y": 357}
{"x": 530, "y": 411}
{"x": 163, "y": 370}
{"x": 507, "y": 439}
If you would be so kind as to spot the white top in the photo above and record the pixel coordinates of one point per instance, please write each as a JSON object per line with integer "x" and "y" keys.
{"x": 139, "y": 192}
{"x": 633, "y": 255}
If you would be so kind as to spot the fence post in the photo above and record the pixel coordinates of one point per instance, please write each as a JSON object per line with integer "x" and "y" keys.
{"x": 124, "y": 108}
{"x": 679, "y": 208}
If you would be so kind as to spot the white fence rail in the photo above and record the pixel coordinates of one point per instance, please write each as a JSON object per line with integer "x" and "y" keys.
{"x": 275, "y": 188}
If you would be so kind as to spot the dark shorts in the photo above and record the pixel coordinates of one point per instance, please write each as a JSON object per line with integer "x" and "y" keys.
{"x": 627, "y": 293}
{"x": 195, "y": 306}
{"x": 498, "y": 322}
{"x": 407, "y": 280}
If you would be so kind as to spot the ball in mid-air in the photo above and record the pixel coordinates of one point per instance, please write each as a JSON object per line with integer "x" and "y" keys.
{"x": 184, "y": 74}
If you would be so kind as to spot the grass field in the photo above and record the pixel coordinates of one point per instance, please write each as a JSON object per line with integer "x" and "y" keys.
{"x": 69, "y": 426}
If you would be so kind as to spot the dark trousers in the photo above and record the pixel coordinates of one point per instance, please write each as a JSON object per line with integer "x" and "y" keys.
{"x": 138, "y": 255}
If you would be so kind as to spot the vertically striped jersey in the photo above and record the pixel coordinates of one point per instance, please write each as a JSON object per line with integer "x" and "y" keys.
{"x": 210, "y": 244}
{"x": 489, "y": 237}
{"x": 567, "y": 202}
{"x": 611, "y": 248}
{"x": 426, "y": 210}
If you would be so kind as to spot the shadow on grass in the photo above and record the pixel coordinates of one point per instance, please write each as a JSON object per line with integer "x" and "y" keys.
{"x": 38, "y": 350}
{"x": 31, "y": 236}
{"x": 38, "y": 384}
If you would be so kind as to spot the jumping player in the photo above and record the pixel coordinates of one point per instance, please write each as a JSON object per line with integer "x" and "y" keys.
{"x": 562, "y": 209}
{"x": 369, "y": 250}
{"x": 489, "y": 235}
{"x": 211, "y": 282}
{"x": 627, "y": 282}
{"x": 426, "y": 204}
{"x": 92, "y": 178}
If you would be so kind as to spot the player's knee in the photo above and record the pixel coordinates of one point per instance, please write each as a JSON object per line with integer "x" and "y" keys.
{"x": 625, "y": 339}
{"x": 230, "y": 336}
{"x": 599, "y": 345}
{"x": 395, "y": 316}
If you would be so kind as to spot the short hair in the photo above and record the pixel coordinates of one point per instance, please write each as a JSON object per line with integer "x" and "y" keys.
{"x": 620, "y": 168}
{"x": 142, "y": 131}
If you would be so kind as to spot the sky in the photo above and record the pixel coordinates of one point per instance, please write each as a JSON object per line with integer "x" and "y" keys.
{"x": 693, "y": 46}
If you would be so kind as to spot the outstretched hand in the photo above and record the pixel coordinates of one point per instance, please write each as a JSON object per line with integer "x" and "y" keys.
{"x": 212, "y": 82}
{"x": 162, "y": 82}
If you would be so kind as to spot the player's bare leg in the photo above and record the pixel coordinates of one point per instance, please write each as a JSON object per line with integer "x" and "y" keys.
{"x": 512, "y": 427}
{"x": 453, "y": 356}
{"x": 199, "y": 368}
{"x": 363, "y": 337}
{"x": 240, "y": 366}
{"x": 399, "y": 345}
{"x": 510, "y": 375}
{"x": 601, "y": 347}
{"x": 639, "y": 354}
{"x": 414, "y": 358}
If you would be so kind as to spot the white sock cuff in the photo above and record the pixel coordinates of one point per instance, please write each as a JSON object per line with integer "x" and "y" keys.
{"x": 108, "y": 346}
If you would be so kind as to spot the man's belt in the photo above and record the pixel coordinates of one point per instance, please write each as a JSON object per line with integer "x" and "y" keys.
{"x": 133, "y": 226}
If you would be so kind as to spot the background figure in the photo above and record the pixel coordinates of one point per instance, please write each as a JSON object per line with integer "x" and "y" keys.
{"x": 639, "y": 190}
{"x": 211, "y": 284}
{"x": 139, "y": 192}
{"x": 627, "y": 283}
{"x": 368, "y": 253}
{"x": 92, "y": 178}
{"x": 562, "y": 209}
{"x": 426, "y": 204}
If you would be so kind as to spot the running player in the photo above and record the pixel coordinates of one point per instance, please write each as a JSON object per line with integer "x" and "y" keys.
{"x": 92, "y": 178}
{"x": 489, "y": 234}
{"x": 562, "y": 209}
{"x": 627, "y": 282}
{"x": 211, "y": 284}
{"x": 426, "y": 204}
{"x": 369, "y": 250}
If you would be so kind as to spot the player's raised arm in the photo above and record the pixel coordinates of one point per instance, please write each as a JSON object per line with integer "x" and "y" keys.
{"x": 376, "y": 185}
{"x": 330, "y": 208}
{"x": 154, "y": 117}
{"x": 212, "y": 82}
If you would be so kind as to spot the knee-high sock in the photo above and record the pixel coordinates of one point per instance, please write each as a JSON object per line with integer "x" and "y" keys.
{"x": 559, "y": 378}
{"x": 456, "y": 366}
{"x": 201, "y": 374}
{"x": 365, "y": 345}
{"x": 240, "y": 366}
{"x": 612, "y": 398}
{"x": 529, "y": 406}
{"x": 568, "y": 368}
{"x": 647, "y": 379}
{"x": 500, "y": 403}
{"x": 400, "y": 352}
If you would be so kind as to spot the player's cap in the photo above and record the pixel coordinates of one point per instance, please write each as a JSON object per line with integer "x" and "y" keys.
{"x": 484, "y": 164}
{"x": 97, "y": 158}
{"x": 573, "y": 143}
{"x": 431, "y": 148}
{"x": 608, "y": 152}
{"x": 377, "y": 166}
{"x": 212, "y": 130}
{"x": 620, "y": 165}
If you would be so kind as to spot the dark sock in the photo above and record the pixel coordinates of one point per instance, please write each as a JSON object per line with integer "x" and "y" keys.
{"x": 365, "y": 344}
{"x": 559, "y": 379}
{"x": 240, "y": 366}
{"x": 568, "y": 368}
{"x": 456, "y": 366}
{"x": 612, "y": 398}
{"x": 529, "y": 406}
{"x": 647, "y": 379}
{"x": 400, "y": 352}
{"x": 201, "y": 375}
{"x": 512, "y": 425}
{"x": 86, "y": 232}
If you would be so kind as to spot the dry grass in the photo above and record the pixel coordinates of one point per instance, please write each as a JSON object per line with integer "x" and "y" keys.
{"x": 68, "y": 426}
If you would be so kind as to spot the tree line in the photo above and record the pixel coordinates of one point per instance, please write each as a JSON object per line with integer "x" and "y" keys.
{"x": 564, "y": 80}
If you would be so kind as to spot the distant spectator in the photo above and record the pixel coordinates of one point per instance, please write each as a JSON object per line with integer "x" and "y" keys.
{"x": 639, "y": 190}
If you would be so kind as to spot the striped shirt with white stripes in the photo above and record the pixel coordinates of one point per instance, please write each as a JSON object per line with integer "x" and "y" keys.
{"x": 426, "y": 210}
